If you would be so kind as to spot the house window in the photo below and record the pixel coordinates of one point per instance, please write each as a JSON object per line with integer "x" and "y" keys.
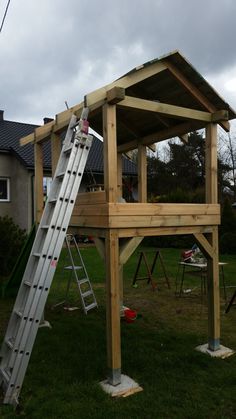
{"x": 4, "y": 189}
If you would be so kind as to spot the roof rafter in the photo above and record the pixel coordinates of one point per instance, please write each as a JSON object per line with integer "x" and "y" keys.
{"x": 194, "y": 91}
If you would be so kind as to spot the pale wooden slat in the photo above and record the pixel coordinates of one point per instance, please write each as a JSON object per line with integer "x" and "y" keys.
{"x": 165, "y": 109}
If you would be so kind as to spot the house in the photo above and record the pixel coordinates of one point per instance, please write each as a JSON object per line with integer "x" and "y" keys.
{"x": 17, "y": 170}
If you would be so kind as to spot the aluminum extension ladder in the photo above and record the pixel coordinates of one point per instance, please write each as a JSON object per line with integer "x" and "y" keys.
{"x": 29, "y": 306}
{"x": 79, "y": 271}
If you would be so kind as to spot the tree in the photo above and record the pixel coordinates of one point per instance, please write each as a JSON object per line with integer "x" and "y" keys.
{"x": 184, "y": 170}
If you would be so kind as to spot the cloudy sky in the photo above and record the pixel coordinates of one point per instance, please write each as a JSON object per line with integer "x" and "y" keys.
{"x": 52, "y": 51}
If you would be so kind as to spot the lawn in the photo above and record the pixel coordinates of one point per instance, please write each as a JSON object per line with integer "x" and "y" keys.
{"x": 69, "y": 360}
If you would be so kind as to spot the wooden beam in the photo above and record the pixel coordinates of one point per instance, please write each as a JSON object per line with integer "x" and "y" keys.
{"x": 142, "y": 173}
{"x": 115, "y": 95}
{"x": 113, "y": 307}
{"x": 62, "y": 120}
{"x": 162, "y": 135}
{"x": 119, "y": 176}
{"x": 38, "y": 181}
{"x": 100, "y": 246}
{"x": 204, "y": 245}
{"x": 194, "y": 91}
{"x": 110, "y": 152}
{"x": 128, "y": 247}
{"x": 55, "y": 151}
{"x": 141, "y": 74}
{"x": 219, "y": 116}
{"x": 163, "y": 231}
{"x": 213, "y": 293}
{"x": 211, "y": 164}
{"x": 165, "y": 109}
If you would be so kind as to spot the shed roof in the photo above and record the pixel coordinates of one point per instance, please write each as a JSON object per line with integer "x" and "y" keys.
{"x": 169, "y": 81}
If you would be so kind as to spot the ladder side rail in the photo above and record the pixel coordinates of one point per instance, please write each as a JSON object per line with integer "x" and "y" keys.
{"x": 85, "y": 307}
{"x": 81, "y": 259}
{"x": 42, "y": 300}
{"x": 33, "y": 262}
{"x": 39, "y": 306}
{"x": 73, "y": 268}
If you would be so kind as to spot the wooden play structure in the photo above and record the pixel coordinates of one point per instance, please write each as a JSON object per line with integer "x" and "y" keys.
{"x": 158, "y": 100}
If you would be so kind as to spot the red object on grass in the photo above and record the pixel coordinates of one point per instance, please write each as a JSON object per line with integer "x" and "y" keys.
{"x": 130, "y": 315}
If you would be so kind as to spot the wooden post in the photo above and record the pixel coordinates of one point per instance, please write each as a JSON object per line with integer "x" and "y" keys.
{"x": 55, "y": 150}
{"x": 38, "y": 183}
{"x": 212, "y": 262}
{"x": 119, "y": 176}
{"x": 142, "y": 173}
{"x": 113, "y": 307}
{"x": 110, "y": 152}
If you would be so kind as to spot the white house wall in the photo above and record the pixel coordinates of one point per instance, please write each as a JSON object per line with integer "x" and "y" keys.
{"x": 20, "y": 205}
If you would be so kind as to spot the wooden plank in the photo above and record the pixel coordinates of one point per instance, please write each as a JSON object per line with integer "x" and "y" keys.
{"x": 147, "y": 209}
{"x": 211, "y": 164}
{"x": 102, "y": 221}
{"x": 110, "y": 152}
{"x": 141, "y": 232}
{"x": 160, "y": 221}
{"x": 87, "y": 198}
{"x": 91, "y": 210}
{"x": 165, "y": 109}
{"x": 38, "y": 181}
{"x": 128, "y": 247}
{"x": 163, "y": 209}
{"x": 113, "y": 307}
{"x": 163, "y": 231}
{"x": 142, "y": 173}
{"x": 115, "y": 95}
{"x": 193, "y": 90}
{"x": 55, "y": 150}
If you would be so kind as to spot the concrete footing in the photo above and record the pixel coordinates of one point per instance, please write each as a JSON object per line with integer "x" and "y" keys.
{"x": 126, "y": 388}
{"x": 222, "y": 352}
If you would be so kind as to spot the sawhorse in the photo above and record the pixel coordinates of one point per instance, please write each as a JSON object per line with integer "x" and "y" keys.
{"x": 231, "y": 303}
{"x": 149, "y": 276}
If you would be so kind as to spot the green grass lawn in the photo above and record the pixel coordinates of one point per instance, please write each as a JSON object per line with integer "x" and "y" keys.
{"x": 69, "y": 360}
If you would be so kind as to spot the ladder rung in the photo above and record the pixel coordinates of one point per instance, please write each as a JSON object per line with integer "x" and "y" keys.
{"x": 86, "y": 293}
{"x": 60, "y": 175}
{"x": 53, "y": 201}
{"x": 45, "y": 226}
{"x": 28, "y": 283}
{"x": 73, "y": 267}
{"x": 37, "y": 255}
{"x": 18, "y": 313}
{"x": 83, "y": 281}
{"x": 5, "y": 375}
{"x": 68, "y": 149}
{"x": 87, "y": 308}
{"x": 9, "y": 343}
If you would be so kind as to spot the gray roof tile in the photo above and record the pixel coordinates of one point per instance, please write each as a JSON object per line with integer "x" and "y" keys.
{"x": 11, "y": 132}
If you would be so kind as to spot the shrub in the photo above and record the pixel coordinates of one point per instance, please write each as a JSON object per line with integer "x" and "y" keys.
{"x": 12, "y": 239}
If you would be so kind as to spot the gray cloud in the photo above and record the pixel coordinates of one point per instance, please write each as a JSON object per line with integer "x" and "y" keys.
{"x": 52, "y": 51}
